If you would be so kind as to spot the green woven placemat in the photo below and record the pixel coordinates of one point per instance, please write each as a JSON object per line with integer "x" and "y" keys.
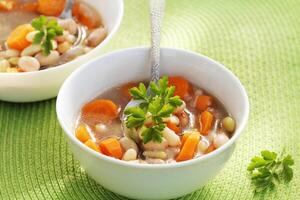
{"x": 259, "y": 40}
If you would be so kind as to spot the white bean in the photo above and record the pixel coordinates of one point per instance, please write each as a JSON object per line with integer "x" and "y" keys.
{"x": 4, "y": 65}
{"x": 63, "y": 47}
{"x": 70, "y": 38}
{"x": 172, "y": 138}
{"x": 13, "y": 60}
{"x": 220, "y": 139}
{"x": 51, "y": 59}
{"x": 156, "y": 145}
{"x": 96, "y": 36}
{"x": 203, "y": 145}
{"x": 30, "y": 36}
{"x": 29, "y": 64}
{"x": 128, "y": 143}
{"x": 131, "y": 133}
{"x": 155, "y": 154}
{"x": 130, "y": 154}
{"x": 9, "y": 53}
{"x": 68, "y": 24}
{"x": 31, "y": 50}
{"x": 172, "y": 119}
{"x": 228, "y": 124}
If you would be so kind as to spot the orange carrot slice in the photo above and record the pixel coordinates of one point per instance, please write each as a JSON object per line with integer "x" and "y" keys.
{"x": 203, "y": 102}
{"x": 82, "y": 133}
{"x": 99, "y": 110}
{"x": 205, "y": 120}
{"x": 91, "y": 144}
{"x": 210, "y": 149}
{"x": 17, "y": 38}
{"x": 111, "y": 147}
{"x": 125, "y": 89}
{"x": 86, "y": 15}
{"x": 51, "y": 7}
{"x": 189, "y": 147}
{"x": 182, "y": 87}
{"x": 29, "y": 6}
{"x": 173, "y": 127}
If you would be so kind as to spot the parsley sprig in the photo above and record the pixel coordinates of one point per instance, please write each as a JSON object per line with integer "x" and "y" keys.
{"x": 47, "y": 30}
{"x": 155, "y": 105}
{"x": 269, "y": 169}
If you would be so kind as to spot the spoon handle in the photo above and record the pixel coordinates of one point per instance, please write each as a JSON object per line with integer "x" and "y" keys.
{"x": 156, "y": 13}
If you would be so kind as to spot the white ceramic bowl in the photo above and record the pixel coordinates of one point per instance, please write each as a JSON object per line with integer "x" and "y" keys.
{"x": 45, "y": 84}
{"x": 160, "y": 181}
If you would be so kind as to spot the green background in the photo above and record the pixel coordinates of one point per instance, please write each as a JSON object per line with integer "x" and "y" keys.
{"x": 259, "y": 40}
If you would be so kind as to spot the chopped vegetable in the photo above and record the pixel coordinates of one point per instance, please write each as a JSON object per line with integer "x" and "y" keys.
{"x": 82, "y": 133}
{"x": 100, "y": 110}
{"x": 158, "y": 105}
{"x": 91, "y": 144}
{"x": 125, "y": 89}
{"x": 267, "y": 170}
{"x": 85, "y": 15}
{"x": 173, "y": 127}
{"x": 203, "y": 102}
{"x": 47, "y": 31}
{"x": 189, "y": 147}
{"x": 111, "y": 147}
{"x": 182, "y": 87}
{"x": 205, "y": 120}
{"x": 17, "y": 38}
{"x": 29, "y": 6}
{"x": 210, "y": 149}
{"x": 51, "y": 7}
{"x": 8, "y": 5}
{"x": 228, "y": 124}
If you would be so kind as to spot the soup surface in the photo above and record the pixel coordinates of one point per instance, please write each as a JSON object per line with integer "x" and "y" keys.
{"x": 198, "y": 124}
{"x": 34, "y": 37}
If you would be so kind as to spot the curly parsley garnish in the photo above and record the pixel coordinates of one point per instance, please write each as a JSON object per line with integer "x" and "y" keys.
{"x": 268, "y": 170}
{"x": 47, "y": 30}
{"x": 160, "y": 103}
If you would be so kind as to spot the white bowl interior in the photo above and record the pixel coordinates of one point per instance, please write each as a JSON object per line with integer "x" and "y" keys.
{"x": 125, "y": 66}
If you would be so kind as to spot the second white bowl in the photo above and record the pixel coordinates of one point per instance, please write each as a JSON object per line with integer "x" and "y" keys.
{"x": 45, "y": 84}
{"x": 159, "y": 181}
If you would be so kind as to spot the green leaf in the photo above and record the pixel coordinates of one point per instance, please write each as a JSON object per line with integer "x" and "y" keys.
{"x": 166, "y": 110}
{"x": 175, "y": 101}
{"x": 268, "y": 170}
{"x": 135, "y": 112}
{"x": 268, "y": 155}
{"x": 133, "y": 122}
{"x": 155, "y": 105}
{"x": 139, "y": 93}
{"x": 38, "y": 38}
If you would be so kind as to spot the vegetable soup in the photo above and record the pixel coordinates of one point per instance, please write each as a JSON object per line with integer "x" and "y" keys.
{"x": 33, "y": 37}
{"x": 172, "y": 122}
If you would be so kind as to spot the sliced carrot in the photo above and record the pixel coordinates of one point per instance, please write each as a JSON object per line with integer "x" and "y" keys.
{"x": 189, "y": 147}
{"x": 205, "y": 120}
{"x": 111, "y": 147}
{"x": 173, "y": 127}
{"x": 182, "y": 87}
{"x": 91, "y": 144}
{"x": 99, "y": 110}
{"x": 210, "y": 149}
{"x": 203, "y": 102}
{"x": 125, "y": 89}
{"x": 29, "y": 6}
{"x": 184, "y": 137}
{"x": 51, "y": 7}
{"x": 82, "y": 133}
{"x": 17, "y": 38}
{"x": 86, "y": 15}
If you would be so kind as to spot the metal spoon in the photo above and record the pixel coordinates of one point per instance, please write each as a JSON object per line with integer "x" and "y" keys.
{"x": 156, "y": 16}
{"x": 81, "y": 30}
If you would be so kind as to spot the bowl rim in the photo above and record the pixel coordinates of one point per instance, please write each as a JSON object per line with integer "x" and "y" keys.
{"x": 100, "y": 156}
{"x": 80, "y": 58}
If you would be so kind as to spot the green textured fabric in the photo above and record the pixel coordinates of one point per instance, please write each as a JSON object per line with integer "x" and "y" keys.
{"x": 259, "y": 40}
